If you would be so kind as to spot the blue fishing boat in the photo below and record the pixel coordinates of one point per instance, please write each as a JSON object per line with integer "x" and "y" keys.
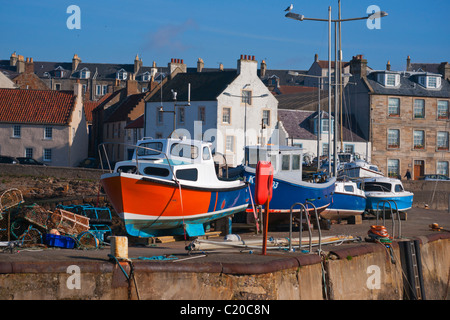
{"x": 289, "y": 185}
{"x": 348, "y": 200}
{"x": 380, "y": 190}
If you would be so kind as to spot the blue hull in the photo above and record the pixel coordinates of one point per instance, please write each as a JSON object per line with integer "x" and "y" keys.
{"x": 403, "y": 202}
{"x": 348, "y": 203}
{"x": 285, "y": 194}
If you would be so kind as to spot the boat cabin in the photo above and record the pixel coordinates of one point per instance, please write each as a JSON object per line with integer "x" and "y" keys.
{"x": 383, "y": 185}
{"x": 285, "y": 160}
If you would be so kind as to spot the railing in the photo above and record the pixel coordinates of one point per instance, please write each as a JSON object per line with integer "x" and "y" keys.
{"x": 390, "y": 202}
{"x": 305, "y": 211}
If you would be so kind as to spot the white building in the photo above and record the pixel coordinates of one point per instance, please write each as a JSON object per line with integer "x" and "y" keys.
{"x": 229, "y": 108}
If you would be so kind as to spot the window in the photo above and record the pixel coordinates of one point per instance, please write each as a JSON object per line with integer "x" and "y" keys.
{"x": 187, "y": 174}
{"x": 184, "y": 151}
{"x": 390, "y": 80}
{"x": 393, "y": 138}
{"x": 85, "y": 74}
{"x": 29, "y": 152}
{"x": 226, "y": 115}
{"x": 57, "y": 86}
{"x": 149, "y": 149}
{"x": 266, "y": 117}
{"x": 202, "y": 114}
{"x": 325, "y": 149}
{"x": 98, "y": 90}
{"x": 349, "y": 148}
{"x": 104, "y": 90}
{"x": 206, "y": 155}
{"x": 419, "y": 108}
{"x": 48, "y": 133}
{"x": 394, "y": 107}
{"x": 47, "y": 155}
{"x": 16, "y": 131}
{"x": 295, "y": 162}
{"x": 246, "y": 96}
{"x": 121, "y": 75}
{"x": 230, "y": 143}
{"x": 442, "y": 167}
{"x": 430, "y": 82}
{"x": 159, "y": 116}
{"x": 181, "y": 115}
{"x": 419, "y": 139}
{"x": 325, "y": 126}
{"x": 442, "y": 109}
{"x": 393, "y": 168}
{"x": 442, "y": 140}
{"x": 348, "y": 188}
{"x": 59, "y": 74}
{"x": 285, "y": 162}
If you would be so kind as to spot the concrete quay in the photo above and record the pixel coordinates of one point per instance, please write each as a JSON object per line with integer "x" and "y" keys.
{"x": 356, "y": 270}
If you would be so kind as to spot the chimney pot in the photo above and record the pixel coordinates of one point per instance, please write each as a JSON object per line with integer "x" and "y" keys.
{"x": 253, "y": 58}
{"x": 181, "y": 60}
{"x": 242, "y": 56}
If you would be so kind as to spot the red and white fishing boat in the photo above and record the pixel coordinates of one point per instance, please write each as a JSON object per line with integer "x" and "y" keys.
{"x": 170, "y": 187}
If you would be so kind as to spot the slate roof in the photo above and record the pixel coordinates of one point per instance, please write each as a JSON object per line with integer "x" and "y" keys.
{"x": 307, "y": 100}
{"x": 298, "y": 124}
{"x": 409, "y": 86}
{"x": 205, "y": 86}
{"x": 36, "y": 106}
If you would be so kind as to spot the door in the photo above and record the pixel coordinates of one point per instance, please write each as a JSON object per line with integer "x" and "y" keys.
{"x": 419, "y": 169}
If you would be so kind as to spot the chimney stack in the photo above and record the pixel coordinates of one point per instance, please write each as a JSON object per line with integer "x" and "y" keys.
{"x": 408, "y": 63}
{"x": 75, "y": 62}
{"x": 176, "y": 66}
{"x": 247, "y": 64}
{"x": 388, "y": 66}
{"x": 13, "y": 59}
{"x": 78, "y": 89}
{"x": 263, "y": 69}
{"x": 137, "y": 64}
{"x": 444, "y": 69}
{"x": 20, "y": 65}
{"x": 29, "y": 66}
{"x": 132, "y": 86}
{"x": 358, "y": 66}
{"x": 316, "y": 58}
{"x": 200, "y": 65}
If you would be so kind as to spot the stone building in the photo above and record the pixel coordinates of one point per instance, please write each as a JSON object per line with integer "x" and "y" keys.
{"x": 405, "y": 115}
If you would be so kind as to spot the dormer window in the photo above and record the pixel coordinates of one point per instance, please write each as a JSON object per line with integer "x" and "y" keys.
{"x": 59, "y": 72}
{"x": 430, "y": 81}
{"x": 85, "y": 74}
{"x": 146, "y": 76}
{"x": 389, "y": 79}
{"x": 121, "y": 74}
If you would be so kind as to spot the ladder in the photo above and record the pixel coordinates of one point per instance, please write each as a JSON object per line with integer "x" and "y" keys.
{"x": 415, "y": 271}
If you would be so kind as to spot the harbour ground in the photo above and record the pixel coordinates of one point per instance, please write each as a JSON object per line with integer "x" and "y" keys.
{"x": 417, "y": 224}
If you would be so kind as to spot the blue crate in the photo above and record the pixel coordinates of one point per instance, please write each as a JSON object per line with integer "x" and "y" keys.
{"x": 59, "y": 241}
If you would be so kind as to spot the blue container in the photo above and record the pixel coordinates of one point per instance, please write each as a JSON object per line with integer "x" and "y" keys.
{"x": 59, "y": 241}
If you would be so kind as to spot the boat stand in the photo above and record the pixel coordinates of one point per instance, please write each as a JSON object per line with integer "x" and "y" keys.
{"x": 303, "y": 210}
{"x": 384, "y": 206}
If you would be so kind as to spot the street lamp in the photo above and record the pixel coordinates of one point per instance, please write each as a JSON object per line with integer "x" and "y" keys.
{"x": 300, "y": 17}
{"x": 174, "y": 98}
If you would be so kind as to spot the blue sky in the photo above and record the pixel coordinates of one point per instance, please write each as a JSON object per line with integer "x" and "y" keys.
{"x": 114, "y": 31}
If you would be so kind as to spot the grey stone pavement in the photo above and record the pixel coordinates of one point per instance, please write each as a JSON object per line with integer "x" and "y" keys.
{"x": 417, "y": 224}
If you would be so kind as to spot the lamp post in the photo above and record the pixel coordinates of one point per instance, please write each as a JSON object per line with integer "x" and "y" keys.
{"x": 175, "y": 105}
{"x": 245, "y": 113}
{"x": 337, "y": 22}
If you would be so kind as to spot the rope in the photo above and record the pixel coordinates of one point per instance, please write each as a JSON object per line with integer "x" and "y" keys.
{"x": 130, "y": 276}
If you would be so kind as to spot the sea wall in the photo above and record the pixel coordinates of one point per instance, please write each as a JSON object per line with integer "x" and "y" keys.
{"x": 365, "y": 272}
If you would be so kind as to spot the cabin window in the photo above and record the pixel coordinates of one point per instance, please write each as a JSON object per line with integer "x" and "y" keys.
{"x": 285, "y": 162}
{"x": 295, "y": 162}
{"x": 377, "y": 186}
{"x": 206, "y": 154}
{"x": 187, "y": 174}
{"x": 156, "y": 171}
{"x": 150, "y": 149}
{"x": 398, "y": 188}
{"x": 184, "y": 151}
{"x": 127, "y": 169}
{"x": 348, "y": 188}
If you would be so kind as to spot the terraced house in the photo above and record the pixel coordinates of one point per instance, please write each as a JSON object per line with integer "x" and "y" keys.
{"x": 49, "y": 126}
{"x": 405, "y": 114}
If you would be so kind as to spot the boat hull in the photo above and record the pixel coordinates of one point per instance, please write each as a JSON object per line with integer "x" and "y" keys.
{"x": 147, "y": 205}
{"x": 286, "y": 194}
{"x": 345, "y": 205}
{"x": 378, "y": 201}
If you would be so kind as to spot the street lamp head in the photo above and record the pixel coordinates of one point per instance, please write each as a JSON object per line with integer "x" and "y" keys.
{"x": 161, "y": 109}
{"x": 227, "y": 94}
{"x": 295, "y": 16}
{"x": 377, "y": 15}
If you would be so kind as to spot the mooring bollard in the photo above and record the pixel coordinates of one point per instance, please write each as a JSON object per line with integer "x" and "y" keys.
{"x": 119, "y": 247}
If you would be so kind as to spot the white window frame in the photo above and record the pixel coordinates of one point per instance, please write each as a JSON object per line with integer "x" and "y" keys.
{"x": 393, "y": 103}
{"x": 17, "y": 131}
{"x": 229, "y": 143}
{"x": 226, "y": 115}
{"x": 48, "y": 133}
{"x": 47, "y": 155}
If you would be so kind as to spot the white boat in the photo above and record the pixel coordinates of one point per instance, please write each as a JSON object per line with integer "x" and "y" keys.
{"x": 360, "y": 169}
{"x": 384, "y": 192}
{"x": 348, "y": 201}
